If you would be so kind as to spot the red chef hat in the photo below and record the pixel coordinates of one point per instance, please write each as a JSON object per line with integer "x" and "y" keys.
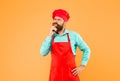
{"x": 61, "y": 13}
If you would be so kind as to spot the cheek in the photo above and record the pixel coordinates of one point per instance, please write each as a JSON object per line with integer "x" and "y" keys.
{"x": 60, "y": 23}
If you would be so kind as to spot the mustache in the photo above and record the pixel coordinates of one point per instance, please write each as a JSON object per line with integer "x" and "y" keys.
{"x": 55, "y": 24}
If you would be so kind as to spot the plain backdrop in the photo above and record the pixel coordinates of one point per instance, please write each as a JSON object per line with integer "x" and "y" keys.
{"x": 24, "y": 24}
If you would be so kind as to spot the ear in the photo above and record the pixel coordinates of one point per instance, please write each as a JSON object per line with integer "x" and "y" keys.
{"x": 65, "y": 22}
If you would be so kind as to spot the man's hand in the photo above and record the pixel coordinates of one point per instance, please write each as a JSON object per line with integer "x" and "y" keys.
{"x": 78, "y": 70}
{"x": 52, "y": 30}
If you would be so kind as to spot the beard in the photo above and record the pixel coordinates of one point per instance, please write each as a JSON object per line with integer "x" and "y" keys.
{"x": 59, "y": 27}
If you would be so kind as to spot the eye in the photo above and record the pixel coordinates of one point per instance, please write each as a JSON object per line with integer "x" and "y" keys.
{"x": 59, "y": 19}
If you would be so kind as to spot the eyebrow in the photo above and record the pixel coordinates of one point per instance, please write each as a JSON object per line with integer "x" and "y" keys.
{"x": 56, "y": 19}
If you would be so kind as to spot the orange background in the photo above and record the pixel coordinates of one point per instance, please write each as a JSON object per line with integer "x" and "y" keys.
{"x": 24, "y": 24}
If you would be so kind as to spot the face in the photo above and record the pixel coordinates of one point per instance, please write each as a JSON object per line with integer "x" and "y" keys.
{"x": 58, "y": 22}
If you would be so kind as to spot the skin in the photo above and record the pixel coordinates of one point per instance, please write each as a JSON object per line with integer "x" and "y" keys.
{"x": 76, "y": 71}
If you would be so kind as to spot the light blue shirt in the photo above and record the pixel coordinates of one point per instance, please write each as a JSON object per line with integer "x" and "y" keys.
{"x": 75, "y": 40}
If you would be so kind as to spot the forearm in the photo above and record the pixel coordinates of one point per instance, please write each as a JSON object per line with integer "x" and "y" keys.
{"x": 85, "y": 56}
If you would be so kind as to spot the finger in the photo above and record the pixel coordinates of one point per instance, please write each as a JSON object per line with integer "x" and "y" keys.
{"x": 75, "y": 72}
{"x": 74, "y": 69}
{"x": 55, "y": 28}
{"x": 78, "y": 72}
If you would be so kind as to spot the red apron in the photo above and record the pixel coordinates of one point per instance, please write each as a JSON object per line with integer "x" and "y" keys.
{"x": 63, "y": 61}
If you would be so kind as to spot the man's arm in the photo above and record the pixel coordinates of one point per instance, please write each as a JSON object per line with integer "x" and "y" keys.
{"x": 85, "y": 57}
{"x": 84, "y": 48}
{"x": 46, "y": 46}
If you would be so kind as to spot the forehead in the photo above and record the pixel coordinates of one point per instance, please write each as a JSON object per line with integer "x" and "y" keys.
{"x": 57, "y": 17}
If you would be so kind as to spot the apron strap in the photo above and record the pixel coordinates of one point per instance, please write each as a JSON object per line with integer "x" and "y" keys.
{"x": 53, "y": 38}
{"x": 68, "y": 37}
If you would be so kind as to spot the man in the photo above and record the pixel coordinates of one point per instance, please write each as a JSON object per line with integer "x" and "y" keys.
{"x": 63, "y": 43}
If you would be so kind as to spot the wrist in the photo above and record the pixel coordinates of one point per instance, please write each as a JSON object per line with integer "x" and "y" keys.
{"x": 82, "y": 65}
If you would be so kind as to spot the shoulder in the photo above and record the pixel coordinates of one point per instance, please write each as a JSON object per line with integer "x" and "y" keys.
{"x": 73, "y": 33}
{"x": 75, "y": 36}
